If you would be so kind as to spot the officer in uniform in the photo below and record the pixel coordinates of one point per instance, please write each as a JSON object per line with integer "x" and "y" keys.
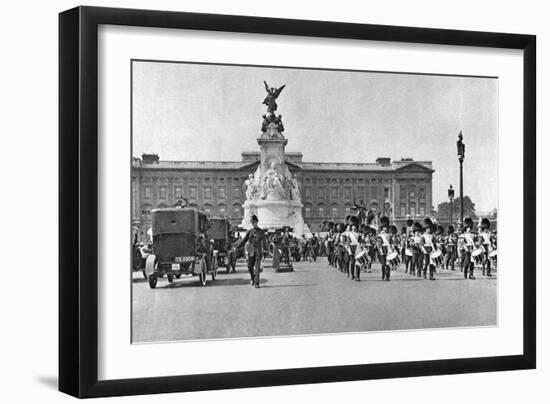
{"x": 256, "y": 240}
{"x": 354, "y": 239}
{"x": 285, "y": 246}
{"x": 451, "y": 247}
{"x": 428, "y": 247}
{"x": 486, "y": 241}
{"x": 468, "y": 247}
{"x": 415, "y": 244}
{"x": 384, "y": 247}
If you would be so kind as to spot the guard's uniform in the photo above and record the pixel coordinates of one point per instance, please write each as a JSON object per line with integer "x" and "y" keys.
{"x": 428, "y": 243}
{"x": 353, "y": 245}
{"x": 451, "y": 244}
{"x": 467, "y": 263}
{"x": 485, "y": 236}
{"x": 255, "y": 237}
{"x": 384, "y": 250}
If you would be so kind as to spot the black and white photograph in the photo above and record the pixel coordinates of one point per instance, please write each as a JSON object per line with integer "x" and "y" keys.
{"x": 273, "y": 201}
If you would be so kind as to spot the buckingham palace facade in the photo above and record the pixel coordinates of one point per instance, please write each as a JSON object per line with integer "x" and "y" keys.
{"x": 399, "y": 189}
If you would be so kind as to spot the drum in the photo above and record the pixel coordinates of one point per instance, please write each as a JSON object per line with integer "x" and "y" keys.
{"x": 478, "y": 256}
{"x": 436, "y": 258}
{"x": 362, "y": 258}
{"x": 408, "y": 252}
{"x": 493, "y": 257}
{"x": 393, "y": 259}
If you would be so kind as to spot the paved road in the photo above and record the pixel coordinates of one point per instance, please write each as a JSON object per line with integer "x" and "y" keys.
{"x": 313, "y": 299}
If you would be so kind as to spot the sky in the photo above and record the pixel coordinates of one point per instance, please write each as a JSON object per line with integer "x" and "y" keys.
{"x": 185, "y": 111}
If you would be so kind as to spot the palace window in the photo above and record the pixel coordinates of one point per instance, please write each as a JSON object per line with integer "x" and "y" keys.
{"x": 307, "y": 192}
{"x": 334, "y": 193}
{"x": 421, "y": 210}
{"x": 321, "y": 211}
{"x": 403, "y": 210}
{"x": 403, "y": 193}
{"x": 347, "y": 193}
{"x": 334, "y": 211}
{"x": 321, "y": 193}
{"x": 386, "y": 193}
{"x": 193, "y": 192}
{"x": 221, "y": 208}
{"x": 412, "y": 191}
{"x": 237, "y": 192}
{"x": 413, "y": 210}
{"x": 374, "y": 192}
{"x": 207, "y": 192}
{"x": 147, "y": 192}
{"x": 221, "y": 192}
{"x": 360, "y": 192}
{"x": 307, "y": 211}
{"x": 236, "y": 211}
{"x": 177, "y": 192}
{"x": 162, "y": 192}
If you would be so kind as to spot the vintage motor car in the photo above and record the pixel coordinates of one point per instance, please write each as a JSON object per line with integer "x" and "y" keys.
{"x": 180, "y": 246}
{"x": 220, "y": 231}
{"x": 237, "y": 250}
{"x": 140, "y": 252}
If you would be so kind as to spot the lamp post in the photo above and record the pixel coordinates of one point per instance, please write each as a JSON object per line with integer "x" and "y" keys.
{"x": 460, "y": 151}
{"x": 451, "y": 194}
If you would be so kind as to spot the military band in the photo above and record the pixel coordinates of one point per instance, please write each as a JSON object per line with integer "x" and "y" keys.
{"x": 422, "y": 249}
{"x": 353, "y": 247}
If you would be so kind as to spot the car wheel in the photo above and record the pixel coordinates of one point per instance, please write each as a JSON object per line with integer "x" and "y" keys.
{"x": 202, "y": 278}
{"x": 213, "y": 274}
{"x": 144, "y": 274}
{"x": 178, "y": 276}
{"x": 153, "y": 281}
{"x": 170, "y": 278}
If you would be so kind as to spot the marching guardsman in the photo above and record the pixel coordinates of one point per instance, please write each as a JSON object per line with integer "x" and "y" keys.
{"x": 285, "y": 246}
{"x": 384, "y": 247}
{"x": 451, "y": 242}
{"x": 330, "y": 246}
{"x": 354, "y": 238}
{"x": 313, "y": 245}
{"x": 341, "y": 239}
{"x": 428, "y": 246}
{"x": 467, "y": 249}
{"x": 395, "y": 241}
{"x": 256, "y": 239}
{"x": 485, "y": 238}
{"x": 415, "y": 244}
{"x": 406, "y": 256}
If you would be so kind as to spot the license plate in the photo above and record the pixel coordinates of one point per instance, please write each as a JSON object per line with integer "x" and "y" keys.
{"x": 175, "y": 267}
{"x": 184, "y": 259}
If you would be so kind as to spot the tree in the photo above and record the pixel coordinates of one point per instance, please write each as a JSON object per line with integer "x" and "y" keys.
{"x": 444, "y": 209}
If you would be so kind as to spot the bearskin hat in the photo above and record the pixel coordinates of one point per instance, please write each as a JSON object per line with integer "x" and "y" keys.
{"x": 384, "y": 221}
{"x": 428, "y": 222}
{"x": 417, "y": 226}
{"x": 410, "y": 222}
{"x": 404, "y": 229}
{"x": 468, "y": 223}
{"x": 485, "y": 223}
{"x": 340, "y": 227}
{"x": 440, "y": 229}
{"x": 393, "y": 229}
{"x": 450, "y": 229}
{"x": 354, "y": 220}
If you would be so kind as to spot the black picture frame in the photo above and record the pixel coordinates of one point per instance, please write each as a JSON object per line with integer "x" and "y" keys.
{"x": 78, "y": 181}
